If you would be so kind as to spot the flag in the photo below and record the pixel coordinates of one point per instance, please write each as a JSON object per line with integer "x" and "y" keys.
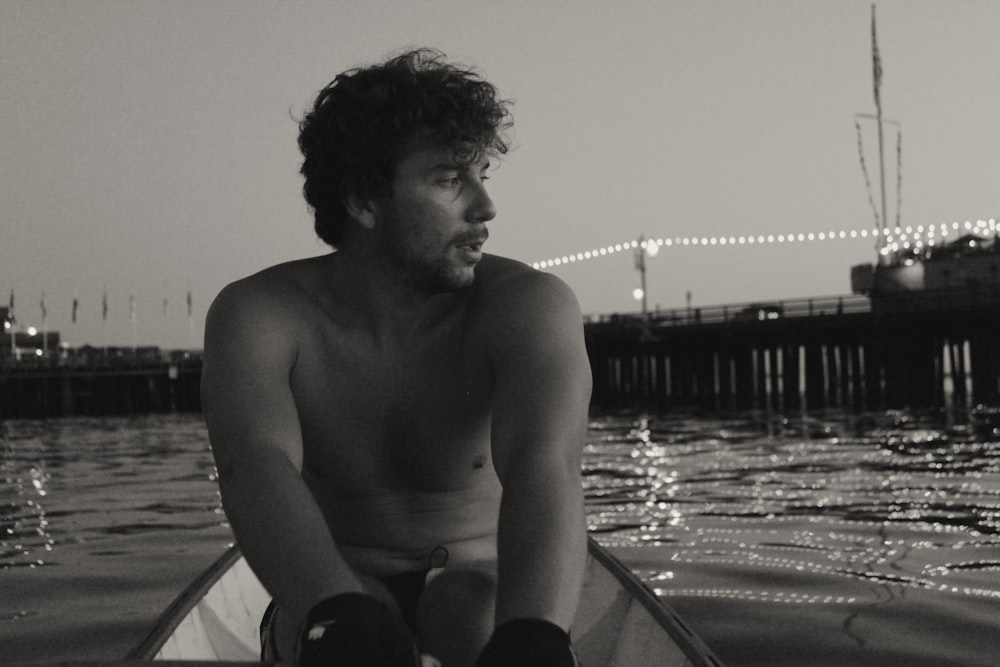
{"x": 42, "y": 304}
{"x": 131, "y": 307}
{"x": 876, "y": 64}
{"x": 104, "y": 305}
{"x": 10, "y": 308}
{"x": 76, "y": 304}
{"x": 189, "y": 302}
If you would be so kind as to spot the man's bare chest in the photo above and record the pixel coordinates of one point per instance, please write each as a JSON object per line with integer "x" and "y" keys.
{"x": 415, "y": 419}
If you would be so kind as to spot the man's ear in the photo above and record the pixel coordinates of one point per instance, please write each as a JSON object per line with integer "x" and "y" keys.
{"x": 361, "y": 209}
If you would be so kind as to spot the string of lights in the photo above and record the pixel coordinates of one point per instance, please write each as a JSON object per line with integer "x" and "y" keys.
{"x": 896, "y": 240}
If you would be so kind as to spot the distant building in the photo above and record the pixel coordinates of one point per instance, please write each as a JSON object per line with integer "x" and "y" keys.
{"x": 25, "y": 344}
{"x": 968, "y": 263}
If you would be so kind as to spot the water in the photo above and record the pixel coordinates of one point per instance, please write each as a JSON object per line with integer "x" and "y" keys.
{"x": 103, "y": 520}
{"x": 831, "y": 541}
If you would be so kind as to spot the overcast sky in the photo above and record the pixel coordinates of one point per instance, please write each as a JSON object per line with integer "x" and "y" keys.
{"x": 149, "y": 147}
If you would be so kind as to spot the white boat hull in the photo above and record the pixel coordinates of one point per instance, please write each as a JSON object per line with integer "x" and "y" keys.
{"x": 619, "y": 623}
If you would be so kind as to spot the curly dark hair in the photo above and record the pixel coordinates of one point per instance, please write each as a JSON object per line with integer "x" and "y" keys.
{"x": 354, "y": 136}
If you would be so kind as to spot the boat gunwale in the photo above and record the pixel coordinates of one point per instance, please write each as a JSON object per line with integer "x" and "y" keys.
{"x": 692, "y": 646}
{"x": 171, "y": 617}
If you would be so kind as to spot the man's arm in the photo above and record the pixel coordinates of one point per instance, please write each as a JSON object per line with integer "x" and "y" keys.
{"x": 542, "y": 395}
{"x": 256, "y": 439}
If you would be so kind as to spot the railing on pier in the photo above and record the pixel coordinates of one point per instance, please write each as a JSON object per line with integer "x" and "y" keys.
{"x": 762, "y": 310}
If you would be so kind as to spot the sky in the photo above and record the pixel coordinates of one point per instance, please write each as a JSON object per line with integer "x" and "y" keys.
{"x": 149, "y": 148}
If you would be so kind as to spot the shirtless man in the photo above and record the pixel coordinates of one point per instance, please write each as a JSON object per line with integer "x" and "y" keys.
{"x": 398, "y": 425}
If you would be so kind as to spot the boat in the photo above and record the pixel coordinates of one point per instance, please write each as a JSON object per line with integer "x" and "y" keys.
{"x": 619, "y": 622}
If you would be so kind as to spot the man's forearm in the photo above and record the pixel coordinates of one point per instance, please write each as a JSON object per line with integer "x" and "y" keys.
{"x": 542, "y": 546}
{"x": 283, "y": 535}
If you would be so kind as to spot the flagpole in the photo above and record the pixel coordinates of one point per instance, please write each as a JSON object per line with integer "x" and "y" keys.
{"x": 45, "y": 337}
{"x": 76, "y": 305}
{"x": 131, "y": 316}
{"x": 190, "y": 320}
{"x": 104, "y": 321}
{"x": 877, "y": 75}
{"x": 13, "y": 331}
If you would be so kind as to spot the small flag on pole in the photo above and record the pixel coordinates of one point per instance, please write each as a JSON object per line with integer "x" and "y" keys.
{"x": 76, "y": 304}
{"x": 45, "y": 337}
{"x": 104, "y": 306}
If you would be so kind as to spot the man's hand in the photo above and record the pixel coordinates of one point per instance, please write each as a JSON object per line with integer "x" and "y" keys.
{"x": 356, "y": 629}
{"x": 528, "y": 642}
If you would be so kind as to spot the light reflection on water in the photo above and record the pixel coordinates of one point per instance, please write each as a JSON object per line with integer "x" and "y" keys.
{"x": 103, "y": 521}
{"x": 106, "y": 476}
{"x": 24, "y": 527}
{"x": 846, "y": 514}
{"x": 838, "y": 540}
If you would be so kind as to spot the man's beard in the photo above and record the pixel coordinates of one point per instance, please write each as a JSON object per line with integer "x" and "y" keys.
{"x": 431, "y": 271}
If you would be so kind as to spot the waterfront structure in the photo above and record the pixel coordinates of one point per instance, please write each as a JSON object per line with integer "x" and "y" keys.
{"x": 24, "y": 345}
{"x": 99, "y": 381}
{"x": 966, "y": 268}
{"x": 845, "y": 352}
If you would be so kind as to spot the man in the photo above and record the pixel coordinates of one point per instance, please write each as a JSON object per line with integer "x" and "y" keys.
{"x": 398, "y": 425}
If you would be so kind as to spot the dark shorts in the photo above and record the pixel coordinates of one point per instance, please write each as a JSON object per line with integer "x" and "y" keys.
{"x": 406, "y": 588}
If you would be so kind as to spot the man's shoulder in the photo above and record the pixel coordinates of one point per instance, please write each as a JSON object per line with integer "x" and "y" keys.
{"x": 531, "y": 323}
{"x": 278, "y": 294}
{"x": 513, "y": 291}
{"x": 504, "y": 278}
{"x": 282, "y": 282}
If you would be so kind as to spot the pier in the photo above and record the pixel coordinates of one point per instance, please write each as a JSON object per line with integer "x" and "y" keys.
{"x": 932, "y": 350}
{"x": 104, "y": 386}
{"x": 935, "y": 349}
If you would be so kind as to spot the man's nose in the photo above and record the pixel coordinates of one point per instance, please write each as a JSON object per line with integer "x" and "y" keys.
{"x": 482, "y": 209}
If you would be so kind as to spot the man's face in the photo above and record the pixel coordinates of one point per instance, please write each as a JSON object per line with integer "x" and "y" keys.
{"x": 434, "y": 224}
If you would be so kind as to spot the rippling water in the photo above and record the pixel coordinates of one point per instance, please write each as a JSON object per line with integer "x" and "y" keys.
{"x": 836, "y": 541}
{"x": 102, "y": 521}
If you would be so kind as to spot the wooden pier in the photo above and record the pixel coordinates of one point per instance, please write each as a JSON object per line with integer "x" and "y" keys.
{"x": 930, "y": 351}
{"x": 119, "y": 388}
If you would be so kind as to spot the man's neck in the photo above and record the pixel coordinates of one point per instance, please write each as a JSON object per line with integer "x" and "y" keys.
{"x": 372, "y": 294}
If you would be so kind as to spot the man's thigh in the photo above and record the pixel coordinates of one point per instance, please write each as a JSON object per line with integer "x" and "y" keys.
{"x": 456, "y": 612}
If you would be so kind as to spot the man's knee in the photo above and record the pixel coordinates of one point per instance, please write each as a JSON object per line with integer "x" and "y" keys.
{"x": 460, "y": 595}
{"x": 456, "y": 613}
